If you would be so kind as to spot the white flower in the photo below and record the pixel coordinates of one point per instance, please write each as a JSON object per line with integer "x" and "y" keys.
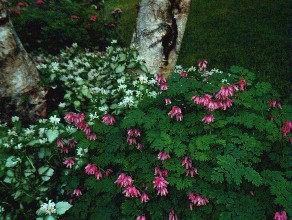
{"x": 2, "y": 209}
{"x": 224, "y": 80}
{"x": 152, "y": 82}
{"x": 43, "y": 140}
{"x": 18, "y": 147}
{"x": 54, "y": 119}
{"x": 81, "y": 151}
{"x": 54, "y": 66}
{"x": 129, "y": 92}
{"x": 143, "y": 78}
{"x": 48, "y": 208}
{"x": 3, "y": 125}
{"x": 93, "y": 116}
{"x": 152, "y": 94}
{"x": 122, "y": 86}
{"x": 43, "y": 121}
{"x": 62, "y": 104}
{"x": 28, "y": 131}
{"x": 71, "y": 129}
{"x": 74, "y": 45}
{"x": 103, "y": 108}
{"x": 12, "y": 133}
{"x": 42, "y": 131}
{"x": 114, "y": 42}
{"x": 14, "y": 118}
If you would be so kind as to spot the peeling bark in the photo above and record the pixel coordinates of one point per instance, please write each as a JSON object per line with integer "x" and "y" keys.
{"x": 19, "y": 77}
{"x": 159, "y": 32}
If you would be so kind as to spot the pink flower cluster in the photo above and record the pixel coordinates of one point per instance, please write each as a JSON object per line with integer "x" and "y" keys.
{"x": 108, "y": 119}
{"x": 161, "y": 81}
{"x": 167, "y": 101}
{"x": 91, "y": 169}
{"x": 172, "y": 215}
{"x": 78, "y": 120}
{"x": 281, "y": 215}
{"x": 130, "y": 191}
{"x": 197, "y": 200}
{"x": 69, "y": 162}
{"x": 176, "y": 111}
{"x": 190, "y": 170}
{"x": 202, "y": 64}
{"x": 159, "y": 172}
{"x": 274, "y": 103}
{"x": 220, "y": 101}
{"x": 141, "y": 217}
{"x": 163, "y": 156}
{"x": 61, "y": 144}
{"x": 160, "y": 184}
{"x": 133, "y": 134}
{"x": 77, "y": 192}
{"x": 286, "y": 128}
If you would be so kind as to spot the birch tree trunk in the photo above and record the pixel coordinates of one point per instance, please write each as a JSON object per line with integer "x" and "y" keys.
{"x": 19, "y": 90}
{"x": 159, "y": 32}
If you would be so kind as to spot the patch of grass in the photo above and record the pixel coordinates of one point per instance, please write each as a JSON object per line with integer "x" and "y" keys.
{"x": 127, "y": 22}
{"x": 252, "y": 34}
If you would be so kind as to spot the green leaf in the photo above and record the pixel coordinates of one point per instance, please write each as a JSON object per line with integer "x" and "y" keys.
{"x": 120, "y": 69}
{"x": 144, "y": 68}
{"x": 52, "y": 135}
{"x": 62, "y": 207}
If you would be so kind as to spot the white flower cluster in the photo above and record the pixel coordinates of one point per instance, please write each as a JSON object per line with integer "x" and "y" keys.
{"x": 47, "y": 208}
{"x": 100, "y": 82}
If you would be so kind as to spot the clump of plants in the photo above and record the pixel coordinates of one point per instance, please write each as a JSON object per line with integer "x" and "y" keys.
{"x": 209, "y": 145}
{"x": 98, "y": 83}
{"x": 49, "y": 26}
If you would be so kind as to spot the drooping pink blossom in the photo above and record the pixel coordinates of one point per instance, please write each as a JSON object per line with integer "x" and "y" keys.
{"x": 225, "y": 91}
{"x": 160, "y": 79}
{"x": 186, "y": 162}
{"x": 108, "y": 172}
{"x": 281, "y": 215}
{"x": 144, "y": 198}
{"x": 179, "y": 117}
{"x": 167, "y": 101}
{"x": 69, "y": 162}
{"x": 163, "y": 156}
{"x": 160, "y": 184}
{"x": 39, "y": 2}
{"x": 90, "y": 169}
{"x": 64, "y": 150}
{"x": 73, "y": 17}
{"x": 98, "y": 174}
{"x": 159, "y": 172}
{"x": 123, "y": 180}
{"x": 134, "y": 133}
{"x": 141, "y": 217}
{"x": 198, "y": 200}
{"x": 139, "y": 146}
{"x": 93, "y": 18}
{"x": 174, "y": 111}
{"x": 108, "y": 119}
{"x": 208, "y": 119}
{"x": 272, "y": 103}
{"x": 92, "y": 137}
{"x": 286, "y": 128}
{"x": 77, "y": 192}
{"x": 131, "y": 140}
{"x": 60, "y": 143}
{"x": 72, "y": 143}
{"x": 163, "y": 86}
{"x": 131, "y": 191}
{"x": 183, "y": 74}
{"x": 251, "y": 192}
{"x": 202, "y": 64}
{"x": 21, "y": 4}
{"x": 172, "y": 215}
{"x": 279, "y": 105}
{"x": 242, "y": 84}
{"x": 192, "y": 172}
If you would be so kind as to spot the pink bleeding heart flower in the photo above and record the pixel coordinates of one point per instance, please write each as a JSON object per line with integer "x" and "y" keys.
{"x": 208, "y": 119}
{"x": 77, "y": 192}
{"x": 144, "y": 198}
{"x": 163, "y": 156}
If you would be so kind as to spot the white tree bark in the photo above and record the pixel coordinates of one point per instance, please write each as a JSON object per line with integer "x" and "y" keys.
{"x": 159, "y": 32}
{"x": 18, "y": 74}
